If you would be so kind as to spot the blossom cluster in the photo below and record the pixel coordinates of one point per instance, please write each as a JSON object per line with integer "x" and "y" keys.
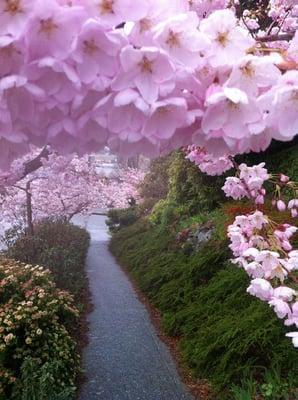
{"x": 271, "y": 17}
{"x": 141, "y": 76}
{"x": 207, "y": 163}
{"x": 259, "y": 245}
{"x": 248, "y": 184}
{"x": 264, "y": 250}
{"x": 32, "y": 316}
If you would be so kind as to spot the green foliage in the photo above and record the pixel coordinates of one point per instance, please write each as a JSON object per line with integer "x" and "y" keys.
{"x": 40, "y": 382}
{"x": 45, "y": 365}
{"x": 119, "y": 218}
{"x": 155, "y": 185}
{"x": 190, "y": 187}
{"x": 166, "y": 212}
{"x": 226, "y": 335}
{"x": 247, "y": 391}
{"x": 35, "y": 322}
{"x": 59, "y": 246}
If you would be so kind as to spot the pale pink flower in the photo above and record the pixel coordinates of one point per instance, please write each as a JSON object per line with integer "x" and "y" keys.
{"x": 14, "y": 15}
{"x": 147, "y": 69}
{"x": 280, "y": 107}
{"x": 96, "y": 51}
{"x": 232, "y": 111}
{"x": 234, "y": 188}
{"x": 229, "y": 42}
{"x": 258, "y": 219}
{"x": 261, "y": 289}
{"x": 254, "y": 270}
{"x": 165, "y": 117}
{"x": 128, "y": 114}
{"x": 51, "y": 30}
{"x": 284, "y": 293}
{"x": 293, "y": 48}
{"x": 281, "y": 308}
{"x": 114, "y": 12}
{"x": 180, "y": 38}
{"x": 253, "y": 73}
{"x": 293, "y": 317}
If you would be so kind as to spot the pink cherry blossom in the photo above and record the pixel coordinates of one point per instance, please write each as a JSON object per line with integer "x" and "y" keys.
{"x": 261, "y": 289}
{"x": 185, "y": 46}
{"x": 165, "y": 117}
{"x": 281, "y": 308}
{"x": 232, "y": 111}
{"x": 96, "y": 51}
{"x": 229, "y": 42}
{"x": 147, "y": 69}
{"x": 14, "y": 16}
{"x": 48, "y": 25}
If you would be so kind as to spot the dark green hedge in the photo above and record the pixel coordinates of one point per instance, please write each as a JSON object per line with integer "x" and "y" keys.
{"x": 61, "y": 247}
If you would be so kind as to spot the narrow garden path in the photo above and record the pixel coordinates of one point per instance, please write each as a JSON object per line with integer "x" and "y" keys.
{"x": 125, "y": 359}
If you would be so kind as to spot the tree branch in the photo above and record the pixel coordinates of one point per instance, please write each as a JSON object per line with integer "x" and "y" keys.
{"x": 277, "y": 38}
{"x": 36, "y": 163}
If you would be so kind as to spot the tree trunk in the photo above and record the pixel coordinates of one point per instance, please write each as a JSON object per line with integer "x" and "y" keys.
{"x": 29, "y": 210}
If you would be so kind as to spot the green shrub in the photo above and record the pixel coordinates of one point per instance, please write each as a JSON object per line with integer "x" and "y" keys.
{"x": 189, "y": 187}
{"x": 155, "y": 185}
{"x": 119, "y": 218}
{"x": 38, "y": 382}
{"x": 35, "y": 321}
{"x": 59, "y": 246}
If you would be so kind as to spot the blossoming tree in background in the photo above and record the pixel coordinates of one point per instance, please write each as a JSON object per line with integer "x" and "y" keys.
{"x": 62, "y": 187}
{"x": 150, "y": 76}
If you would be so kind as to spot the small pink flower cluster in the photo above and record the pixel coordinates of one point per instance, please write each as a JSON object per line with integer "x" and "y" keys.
{"x": 248, "y": 184}
{"x": 263, "y": 249}
{"x": 282, "y": 206}
{"x": 208, "y": 163}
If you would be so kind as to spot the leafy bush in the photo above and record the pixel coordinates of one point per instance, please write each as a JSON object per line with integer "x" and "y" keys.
{"x": 119, "y": 218}
{"x": 155, "y": 185}
{"x": 191, "y": 188}
{"x": 59, "y": 246}
{"x": 35, "y": 320}
{"x": 227, "y": 336}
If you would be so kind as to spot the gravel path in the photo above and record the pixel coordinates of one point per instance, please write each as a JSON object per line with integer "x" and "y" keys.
{"x": 125, "y": 360}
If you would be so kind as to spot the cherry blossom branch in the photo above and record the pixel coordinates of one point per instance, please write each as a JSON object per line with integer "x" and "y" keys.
{"x": 277, "y": 37}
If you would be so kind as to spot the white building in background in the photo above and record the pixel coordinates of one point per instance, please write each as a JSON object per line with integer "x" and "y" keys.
{"x": 105, "y": 162}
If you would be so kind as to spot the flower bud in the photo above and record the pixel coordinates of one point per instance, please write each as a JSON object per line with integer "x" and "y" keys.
{"x": 284, "y": 178}
{"x": 281, "y": 206}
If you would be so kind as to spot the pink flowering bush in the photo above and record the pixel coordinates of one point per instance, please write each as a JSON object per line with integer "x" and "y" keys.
{"x": 35, "y": 318}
